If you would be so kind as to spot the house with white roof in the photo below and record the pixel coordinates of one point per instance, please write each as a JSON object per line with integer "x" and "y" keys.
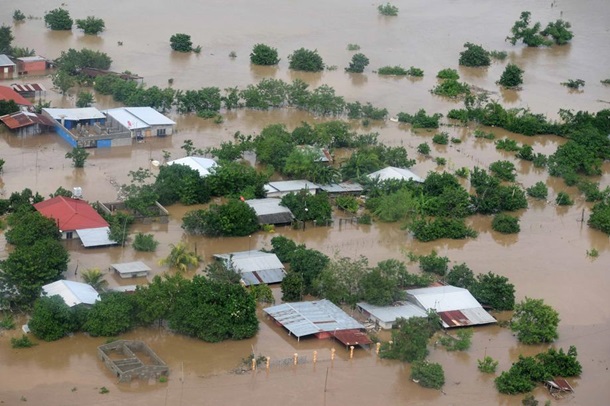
{"x": 270, "y": 211}
{"x": 141, "y": 122}
{"x": 204, "y": 166}
{"x": 254, "y": 267}
{"x": 73, "y": 293}
{"x": 394, "y": 173}
{"x": 284, "y": 187}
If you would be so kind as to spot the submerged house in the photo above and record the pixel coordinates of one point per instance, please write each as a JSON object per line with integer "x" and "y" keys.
{"x": 270, "y": 211}
{"x": 385, "y": 317}
{"x": 393, "y": 173}
{"x": 204, "y": 166}
{"x": 31, "y": 64}
{"x": 7, "y": 93}
{"x": 7, "y": 67}
{"x": 30, "y": 90}
{"x": 284, "y": 187}
{"x": 27, "y": 123}
{"x": 133, "y": 269}
{"x": 141, "y": 122}
{"x": 255, "y": 267}
{"x": 73, "y": 293}
{"x": 76, "y": 219}
{"x": 320, "y": 318}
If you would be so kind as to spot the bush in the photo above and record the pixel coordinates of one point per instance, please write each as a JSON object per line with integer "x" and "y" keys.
{"x": 420, "y": 119}
{"x": 423, "y": 148}
{"x": 358, "y": 63}
{"x": 51, "y": 319}
{"x": 600, "y": 217}
{"x": 416, "y": 72}
{"x": 448, "y": 73}
{"x": 504, "y": 170}
{"x": 440, "y": 161}
{"x": 507, "y": 144}
{"x": 387, "y": 9}
{"x": 474, "y": 56}
{"x": 181, "y": 43}
{"x": 91, "y": 25}
{"x": 500, "y": 55}
{"x": 145, "y": 242}
{"x": 306, "y": 60}
{"x": 462, "y": 172}
{"x": 428, "y": 374}
{"x": 535, "y": 322}
{"x": 23, "y": 342}
{"x": 538, "y": 191}
{"x": 482, "y": 134}
{"x": 58, "y": 20}
{"x": 512, "y": 76}
{"x": 451, "y": 88}
{"x": 574, "y": 83}
{"x": 18, "y": 16}
{"x": 441, "y": 227}
{"x": 487, "y": 365}
{"x": 461, "y": 343}
{"x": 353, "y": 47}
{"x": 563, "y": 199}
{"x": 347, "y": 203}
{"x": 433, "y": 263}
{"x": 531, "y": 36}
{"x": 526, "y": 152}
{"x": 264, "y": 55}
{"x": 410, "y": 338}
{"x": 392, "y": 70}
{"x": 505, "y": 224}
{"x": 559, "y": 31}
{"x": 441, "y": 138}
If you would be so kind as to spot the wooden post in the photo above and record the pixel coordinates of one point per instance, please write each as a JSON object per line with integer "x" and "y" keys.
{"x": 268, "y": 361}
{"x": 332, "y": 354}
{"x": 351, "y": 351}
{"x": 377, "y": 347}
{"x": 253, "y": 364}
{"x": 296, "y": 358}
{"x": 326, "y": 380}
{"x": 315, "y": 357}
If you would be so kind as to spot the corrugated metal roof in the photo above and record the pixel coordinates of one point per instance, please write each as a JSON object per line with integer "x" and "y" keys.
{"x": 345, "y": 187}
{"x": 200, "y": 164}
{"x": 150, "y": 116}
{"x": 389, "y": 314}
{"x": 73, "y": 293}
{"x": 95, "y": 237}
{"x": 306, "y": 318}
{"x": 35, "y": 58}
{"x": 126, "y": 119}
{"x": 28, "y": 87}
{"x": 269, "y": 211}
{"x": 131, "y": 267}
{"x": 6, "y": 61}
{"x": 22, "y": 119}
{"x": 85, "y": 113}
{"x": 255, "y": 267}
{"x": 392, "y": 172}
{"x": 444, "y": 298}
{"x": 351, "y": 337}
{"x": 287, "y": 186}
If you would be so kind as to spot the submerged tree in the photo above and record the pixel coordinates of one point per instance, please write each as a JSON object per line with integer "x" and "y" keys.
{"x": 358, "y": 63}
{"x": 474, "y": 56}
{"x": 181, "y": 42}
{"x": 263, "y": 54}
{"x": 530, "y": 35}
{"x": 181, "y": 258}
{"x": 91, "y": 25}
{"x": 78, "y": 156}
{"x": 512, "y": 76}
{"x": 535, "y": 322}
{"x": 306, "y": 60}
{"x": 58, "y": 20}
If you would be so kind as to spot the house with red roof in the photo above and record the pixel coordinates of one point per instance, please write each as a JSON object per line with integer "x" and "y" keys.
{"x": 76, "y": 219}
{"x": 7, "y": 93}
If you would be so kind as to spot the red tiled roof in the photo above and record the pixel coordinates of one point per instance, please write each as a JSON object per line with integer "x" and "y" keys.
{"x": 7, "y": 93}
{"x": 71, "y": 214}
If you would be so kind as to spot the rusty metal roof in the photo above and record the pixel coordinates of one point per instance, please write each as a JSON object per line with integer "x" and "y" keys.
{"x": 23, "y": 119}
{"x": 352, "y": 337}
{"x": 28, "y": 87}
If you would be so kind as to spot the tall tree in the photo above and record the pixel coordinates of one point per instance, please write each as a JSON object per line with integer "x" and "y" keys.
{"x": 6, "y": 39}
{"x": 535, "y": 322}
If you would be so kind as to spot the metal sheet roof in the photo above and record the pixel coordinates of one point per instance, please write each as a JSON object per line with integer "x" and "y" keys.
{"x": 389, "y": 314}
{"x": 34, "y": 58}
{"x": 131, "y": 267}
{"x": 85, "y": 113}
{"x": 306, "y": 318}
{"x": 255, "y": 267}
{"x": 200, "y": 164}
{"x": 287, "y": 186}
{"x": 95, "y": 237}
{"x": 6, "y": 61}
{"x": 73, "y": 293}
{"x": 126, "y": 119}
{"x": 465, "y": 317}
{"x": 345, "y": 187}
{"x": 444, "y": 298}
{"x": 269, "y": 211}
{"x": 392, "y": 172}
{"x": 28, "y": 87}
{"x": 150, "y": 116}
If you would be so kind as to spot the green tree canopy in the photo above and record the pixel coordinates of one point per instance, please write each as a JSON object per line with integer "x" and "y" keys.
{"x": 535, "y": 322}
{"x": 27, "y": 227}
{"x": 235, "y": 218}
{"x": 91, "y": 25}
{"x": 58, "y": 20}
{"x": 6, "y": 39}
{"x": 512, "y": 76}
{"x": 52, "y": 319}
{"x": 111, "y": 316}
{"x": 474, "y": 56}
{"x": 495, "y": 291}
{"x": 410, "y": 339}
{"x": 181, "y": 42}
{"x": 264, "y": 55}
{"x": 306, "y": 60}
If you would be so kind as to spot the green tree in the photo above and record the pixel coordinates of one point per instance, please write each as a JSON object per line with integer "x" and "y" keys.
{"x": 423, "y": 148}
{"x": 72, "y": 61}
{"x": 505, "y": 224}
{"x": 28, "y": 226}
{"x": 111, "y": 316}
{"x": 535, "y": 322}
{"x": 220, "y": 272}
{"x": 306, "y": 60}
{"x": 181, "y": 43}
{"x": 461, "y": 276}
{"x": 387, "y": 10}
{"x": 504, "y": 170}
{"x": 235, "y": 218}
{"x": 309, "y": 263}
{"x": 487, "y": 365}
{"x": 6, "y": 39}
{"x": 155, "y": 302}
{"x": 85, "y": 99}
{"x": 78, "y": 156}
{"x": 91, "y": 25}
{"x": 559, "y": 31}
{"x": 234, "y": 179}
{"x": 273, "y": 145}
{"x": 474, "y": 55}
{"x": 293, "y": 287}
{"x": 397, "y": 206}
{"x": 8, "y": 107}
{"x": 538, "y": 191}
{"x": 180, "y": 183}
{"x": 410, "y": 339}
{"x": 600, "y": 217}
{"x": 52, "y": 319}
{"x": 495, "y": 291}
{"x": 63, "y": 81}
{"x": 309, "y": 207}
{"x": 428, "y": 374}
{"x": 18, "y": 16}
{"x": 283, "y": 247}
{"x": 530, "y": 35}
{"x": 181, "y": 258}
{"x": 145, "y": 242}
{"x": 563, "y": 199}
{"x": 358, "y": 63}
{"x": 340, "y": 280}
{"x": 264, "y": 55}
{"x": 434, "y": 263}
{"x": 448, "y": 73}
{"x": 58, "y": 20}
{"x": 95, "y": 278}
{"x": 512, "y": 76}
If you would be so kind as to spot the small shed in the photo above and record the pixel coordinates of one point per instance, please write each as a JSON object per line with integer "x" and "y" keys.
{"x": 7, "y": 67}
{"x": 73, "y": 293}
{"x": 284, "y": 187}
{"x": 270, "y": 211}
{"x": 128, "y": 359}
{"x": 30, "y": 90}
{"x": 204, "y": 166}
{"x": 27, "y": 123}
{"x": 134, "y": 269}
{"x": 254, "y": 267}
{"x": 393, "y": 173}
{"x": 343, "y": 188}
{"x": 31, "y": 64}
{"x": 558, "y": 387}
{"x": 385, "y": 316}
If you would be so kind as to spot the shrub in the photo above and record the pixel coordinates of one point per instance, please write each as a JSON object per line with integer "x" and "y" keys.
{"x": 420, "y": 119}
{"x": 500, "y": 55}
{"x": 441, "y": 227}
{"x": 358, "y": 63}
{"x": 234, "y": 218}
{"x": 474, "y": 56}
{"x": 416, "y": 72}
{"x": 91, "y": 25}
{"x": 18, "y": 16}
{"x": 58, "y": 20}
{"x": 600, "y": 217}
{"x": 347, "y": 203}
{"x": 461, "y": 343}
{"x": 462, "y": 172}
{"x": 451, "y": 88}
{"x": 538, "y": 191}
{"x": 526, "y": 152}
{"x": 181, "y": 42}
{"x": 504, "y": 170}
{"x": 531, "y": 36}
{"x": 423, "y": 148}
{"x": 145, "y": 242}
{"x": 410, "y": 338}
{"x": 264, "y": 55}
{"x": 440, "y": 161}
{"x": 428, "y": 374}
{"x": 392, "y": 70}
{"x": 574, "y": 83}
{"x": 505, "y": 224}
{"x": 540, "y": 160}
{"x": 482, "y": 134}
{"x": 448, "y": 73}
{"x": 559, "y": 31}
{"x": 512, "y": 76}
{"x": 434, "y": 263}
{"x": 7, "y": 322}
{"x": 23, "y": 342}
{"x": 387, "y": 9}
{"x": 535, "y": 322}
{"x": 507, "y": 144}
{"x": 306, "y": 60}
{"x": 353, "y": 47}
{"x": 441, "y": 138}
{"x": 563, "y": 199}
{"x": 487, "y": 365}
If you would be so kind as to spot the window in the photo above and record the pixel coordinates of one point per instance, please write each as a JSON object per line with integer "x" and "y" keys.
{"x": 161, "y": 132}
{"x": 69, "y": 235}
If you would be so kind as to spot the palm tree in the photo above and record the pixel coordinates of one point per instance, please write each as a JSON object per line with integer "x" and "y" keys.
{"x": 95, "y": 278}
{"x": 180, "y": 258}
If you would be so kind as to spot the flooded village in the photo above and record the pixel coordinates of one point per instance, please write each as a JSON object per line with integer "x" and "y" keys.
{"x": 556, "y": 256}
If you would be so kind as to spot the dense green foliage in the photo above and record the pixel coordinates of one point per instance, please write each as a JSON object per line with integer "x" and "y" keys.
{"x": 368, "y": 159}
{"x": 420, "y": 119}
{"x": 492, "y": 197}
{"x": 507, "y": 144}
{"x": 181, "y": 43}
{"x": 22, "y": 342}
{"x": 530, "y": 35}
{"x": 504, "y": 170}
{"x": 535, "y": 322}
{"x": 52, "y": 319}
{"x": 387, "y": 9}
{"x": 234, "y": 218}
{"x": 306, "y": 60}
{"x": 145, "y": 242}
{"x": 415, "y": 72}
{"x": 8, "y": 107}
{"x": 451, "y": 88}
{"x": 505, "y": 224}
{"x": 410, "y": 338}
{"x": 474, "y": 56}
{"x": 6, "y": 38}
{"x": 448, "y": 73}
{"x": 563, "y": 199}
{"x": 434, "y": 263}
{"x": 487, "y": 365}
{"x": 441, "y": 138}
{"x": 512, "y": 76}
{"x": 441, "y": 227}
{"x": 18, "y": 16}
{"x": 283, "y": 247}
{"x": 84, "y": 99}
{"x": 559, "y": 31}
{"x": 180, "y": 183}
{"x": 72, "y": 61}
{"x": 58, "y": 19}
{"x": 461, "y": 276}
{"x": 392, "y": 70}
{"x": 428, "y": 374}
{"x": 91, "y": 25}
{"x": 358, "y": 63}
{"x": 309, "y": 207}
{"x": 293, "y": 287}
{"x": 600, "y": 217}
{"x": 423, "y": 148}
{"x": 264, "y": 55}
{"x": 494, "y": 291}
{"x": 110, "y": 316}
{"x": 461, "y": 342}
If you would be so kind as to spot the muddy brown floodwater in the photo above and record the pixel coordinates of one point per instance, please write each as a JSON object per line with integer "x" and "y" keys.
{"x": 547, "y": 259}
